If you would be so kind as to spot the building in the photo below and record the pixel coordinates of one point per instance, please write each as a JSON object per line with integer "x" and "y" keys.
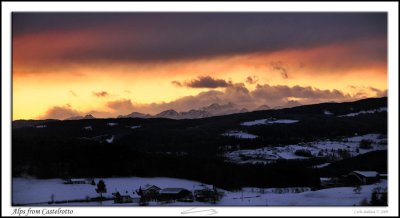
{"x": 178, "y": 194}
{"x": 207, "y": 194}
{"x": 363, "y": 177}
{"x": 150, "y": 190}
{"x": 79, "y": 181}
{"x": 121, "y": 199}
{"x": 75, "y": 181}
{"x": 383, "y": 176}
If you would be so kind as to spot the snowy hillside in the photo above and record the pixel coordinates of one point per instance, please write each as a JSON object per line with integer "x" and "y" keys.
{"x": 240, "y": 134}
{"x": 382, "y": 109}
{"x": 330, "y": 149}
{"x": 268, "y": 122}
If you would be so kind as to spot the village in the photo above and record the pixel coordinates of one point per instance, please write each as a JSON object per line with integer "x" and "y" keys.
{"x": 149, "y": 193}
{"x": 202, "y": 194}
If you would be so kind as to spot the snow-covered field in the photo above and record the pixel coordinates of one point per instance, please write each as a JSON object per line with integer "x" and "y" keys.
{"x": 382, "y": 109}
{"x": 240, "y": 134}
{"x": 268, "y": 122}
{"x": 332, "y": 150}
{"x": 245, "y": 135}
{"x": 341, "y": 196}
{"x": 40, "y": 190}
{"x": 135, "y": 127}
{"x": 30, "y": 191}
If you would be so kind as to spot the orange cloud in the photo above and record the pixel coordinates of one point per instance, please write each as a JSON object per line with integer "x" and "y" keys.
{"x": 100, "y": 94}
{"x": 251, "y": 80}
{"x": 204, "y": 82}
{"x": 120, "y": 104}
{"x": 60, "y": 112}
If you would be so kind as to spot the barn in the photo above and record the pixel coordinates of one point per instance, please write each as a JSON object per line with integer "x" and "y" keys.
{"x": 364, "y": 177}
{"x": 179, "y": 194}
{"x": 148, "y": 192}
{"x": 121, "y": 199}
{"x": 206, "y": 194}
{"x": 78, "y": 181}
{"x": 151, "y": 190}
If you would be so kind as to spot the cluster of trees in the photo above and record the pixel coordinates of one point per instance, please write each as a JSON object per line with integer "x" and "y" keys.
{"x": 365, "y": 144}
{"x": 379, "y": 197}
{"x": 81, "y": 158}
{"x": 375, "y": 160}
{"x": 303, "y": 153}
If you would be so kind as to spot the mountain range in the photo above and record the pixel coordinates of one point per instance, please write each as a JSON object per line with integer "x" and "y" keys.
{"x": 209, "y": 111}
{"x": 88, "y": 116}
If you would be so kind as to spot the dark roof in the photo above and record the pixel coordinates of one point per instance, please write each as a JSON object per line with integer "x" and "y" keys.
{"x": 172, "y": 190}
{"x": 77, "y": 179}
{"x": 147, "y": 187}
{"x": 367, "y": 173}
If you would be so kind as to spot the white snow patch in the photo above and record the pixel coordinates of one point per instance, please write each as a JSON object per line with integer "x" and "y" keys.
{"x": 326, "y": 112}
{"x": 382, "y": 109}
{"x": 135, "y": 127}
{"x": 372, "y": 137}
{"x": 112, "y": 124}
{"x": 321, "y": 165}
{"x": 40, "y": 126}
{"x": 289, "y": 155}
{"x": 255, "y": 122}
{"x": 268, "y": 122}
{"x": 283, "y": 121}
{"x": 240, "y": 134}
{"x": 88, "y": 128}
{"x": 110, "y": 140}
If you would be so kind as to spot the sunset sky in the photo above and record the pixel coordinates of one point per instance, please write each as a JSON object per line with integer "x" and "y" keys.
{"x": 110, "y": 64}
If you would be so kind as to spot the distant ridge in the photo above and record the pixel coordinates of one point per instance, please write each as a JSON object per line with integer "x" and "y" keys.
{"x": 86, "y": 117}
{"x": 214, "y": 109}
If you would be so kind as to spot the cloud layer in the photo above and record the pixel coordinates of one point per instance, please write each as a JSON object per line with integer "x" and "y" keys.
{"x": 204, "y": 82}
{"x": 60, "y": 112}
{"x": 273, "y": 96}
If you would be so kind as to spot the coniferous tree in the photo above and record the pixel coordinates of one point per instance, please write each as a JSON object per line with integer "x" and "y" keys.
{"x": 101, "y": 188}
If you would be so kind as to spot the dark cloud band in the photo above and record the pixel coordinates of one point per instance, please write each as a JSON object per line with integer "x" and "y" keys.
{"x": 172, "y": 36}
